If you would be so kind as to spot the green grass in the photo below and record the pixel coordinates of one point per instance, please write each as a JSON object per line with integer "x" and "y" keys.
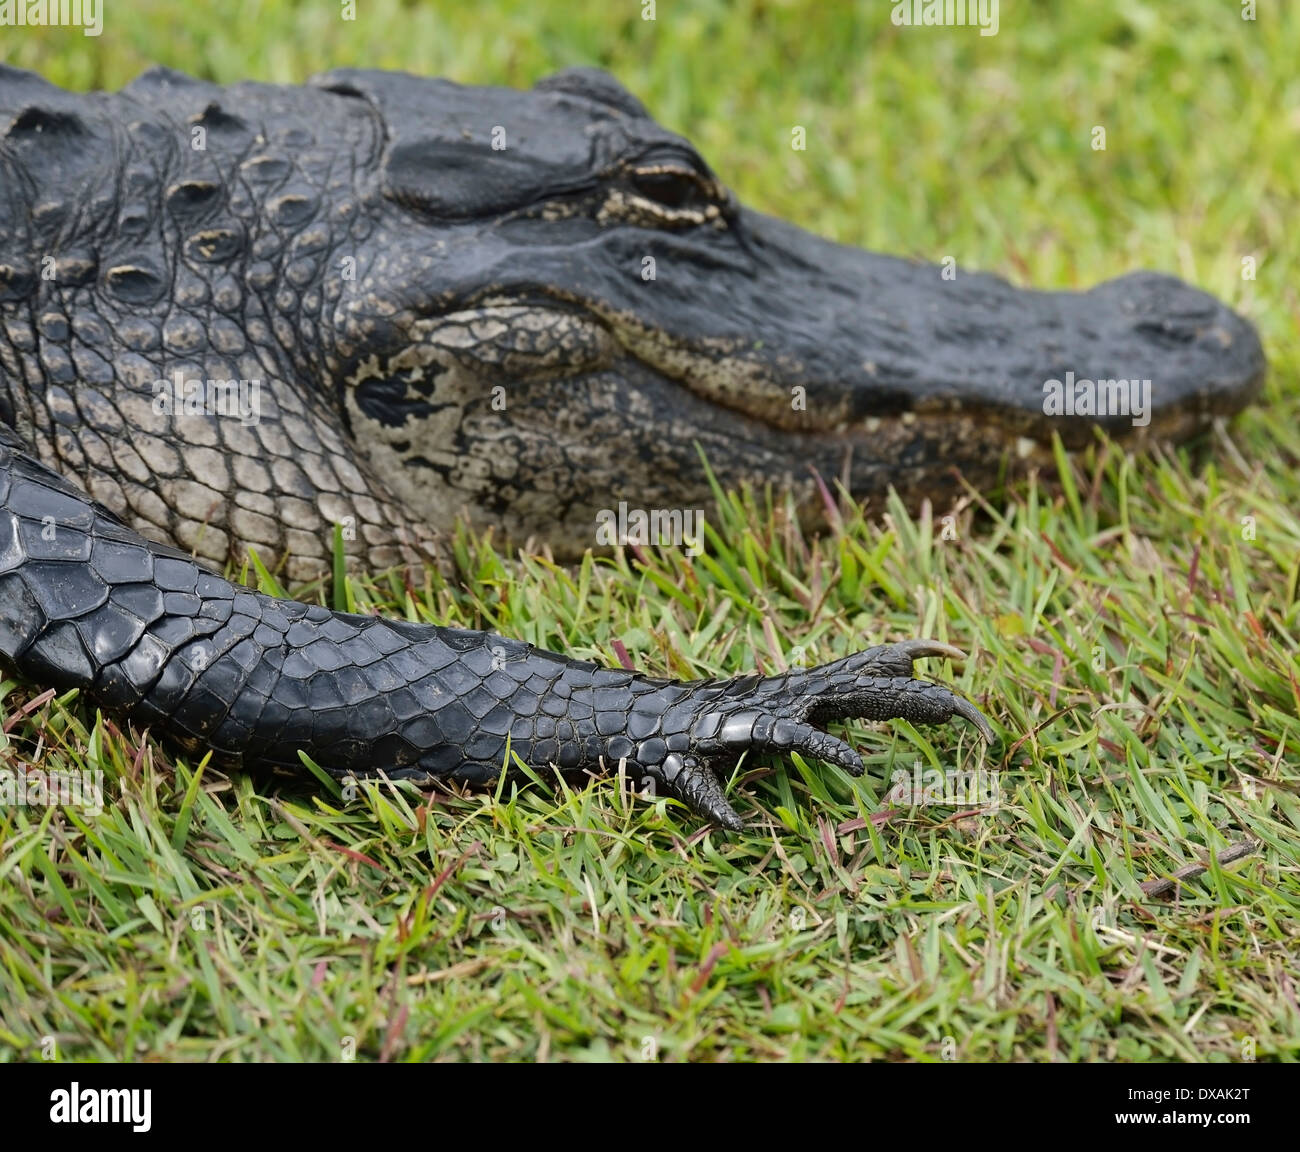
{"x": 1131, "y": 626}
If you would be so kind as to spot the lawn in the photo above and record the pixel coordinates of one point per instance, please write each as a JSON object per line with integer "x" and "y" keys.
{"x": 1130, "y": 625}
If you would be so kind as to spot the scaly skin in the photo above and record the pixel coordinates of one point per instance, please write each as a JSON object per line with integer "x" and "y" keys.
{"x": 153, "y": 635}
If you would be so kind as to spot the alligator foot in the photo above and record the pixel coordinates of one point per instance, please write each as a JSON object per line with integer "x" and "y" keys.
{"x": 777, "y": 715}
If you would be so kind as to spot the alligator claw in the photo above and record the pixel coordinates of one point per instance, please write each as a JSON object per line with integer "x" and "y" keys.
{"x": 698, "y": 787}
{"x": 967, "y": 711}
{"x": 778, "y": 714}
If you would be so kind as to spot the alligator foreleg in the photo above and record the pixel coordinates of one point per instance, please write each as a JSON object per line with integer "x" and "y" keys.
{"x": 147, "y": 632}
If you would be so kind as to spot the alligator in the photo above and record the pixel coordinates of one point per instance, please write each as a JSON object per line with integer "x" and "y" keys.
{"x": 278, "y": 317}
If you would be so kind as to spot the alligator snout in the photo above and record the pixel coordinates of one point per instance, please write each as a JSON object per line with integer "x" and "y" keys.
{"x": 786, "y": 353}
{"x": 877, "y": 338}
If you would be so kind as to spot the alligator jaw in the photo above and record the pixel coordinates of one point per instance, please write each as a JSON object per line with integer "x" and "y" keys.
{"x": 795, "y": 354}
{"x": 853, "y": 340}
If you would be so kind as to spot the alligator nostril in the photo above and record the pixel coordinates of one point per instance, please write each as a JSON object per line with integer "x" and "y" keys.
{"x": 1160, "y": 299}
{"x": 1166, "y": 312}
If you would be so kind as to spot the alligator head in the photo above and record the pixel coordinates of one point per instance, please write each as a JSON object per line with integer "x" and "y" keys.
{"x": 530, "y": 307}
{"x": 562, "y": 301}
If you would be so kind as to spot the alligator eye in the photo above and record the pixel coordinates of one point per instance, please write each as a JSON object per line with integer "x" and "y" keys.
{"x": 671, "y": 187}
